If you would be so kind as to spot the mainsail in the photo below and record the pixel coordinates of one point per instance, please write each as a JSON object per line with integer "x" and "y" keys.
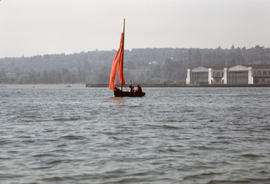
{"x": 118, "y": 63}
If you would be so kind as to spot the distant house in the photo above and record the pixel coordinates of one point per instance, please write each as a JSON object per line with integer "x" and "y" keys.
{"x": 199, "y": 75}
{"x": 235, "y": 75}
{"x": 261, "y": 74}
{"x": 205, "y": 75}
{"x": 240, "y": 74}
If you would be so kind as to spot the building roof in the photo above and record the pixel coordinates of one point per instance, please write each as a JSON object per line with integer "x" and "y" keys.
{"x": 200, "y": 69}
{"x": 239, "y": 68}
{"x": 259, "y": 66}
{"x": 231, "y": 68}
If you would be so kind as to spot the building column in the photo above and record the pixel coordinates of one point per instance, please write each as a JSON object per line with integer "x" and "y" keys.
{"x": 225, "y": 76}
{"x": 209, "y": 75}
{"x": 250, "y": 77}
{"x": 188, "y": 77}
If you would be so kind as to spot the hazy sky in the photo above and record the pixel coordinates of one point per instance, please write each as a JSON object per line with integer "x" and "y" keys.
{"x": 31, "y": 27}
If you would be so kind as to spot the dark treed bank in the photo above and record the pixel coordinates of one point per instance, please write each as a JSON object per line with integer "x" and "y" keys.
{"x": 150, "y": 65}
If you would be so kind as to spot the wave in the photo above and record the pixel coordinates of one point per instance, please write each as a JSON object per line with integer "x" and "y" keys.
{"x": 73, "y": 137}
{"x": 67, "y": 119}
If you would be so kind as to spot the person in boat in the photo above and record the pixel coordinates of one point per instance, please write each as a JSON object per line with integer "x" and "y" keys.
{"x": 139, "y": 89}
{"x": 131, "y": 88}
{"x": 116, "y": 88}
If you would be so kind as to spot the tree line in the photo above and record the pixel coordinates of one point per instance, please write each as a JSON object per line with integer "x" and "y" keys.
{"x": 148, "y": 65}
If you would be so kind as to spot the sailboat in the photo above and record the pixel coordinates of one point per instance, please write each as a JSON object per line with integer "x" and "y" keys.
{"x": 118, "y": 66}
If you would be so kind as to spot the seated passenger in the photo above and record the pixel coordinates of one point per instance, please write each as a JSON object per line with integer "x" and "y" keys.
{"x": 116, "y": 88}
{"x": 139, "y": 89}
{"x": 131, "y": 88}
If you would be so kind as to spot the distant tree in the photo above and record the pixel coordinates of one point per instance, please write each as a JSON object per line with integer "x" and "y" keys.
{"x": 3, "y": 77}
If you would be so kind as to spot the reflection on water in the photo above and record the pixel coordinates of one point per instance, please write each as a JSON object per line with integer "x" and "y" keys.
{"x": 173, "y": 135}
{"x": 118, "y": 100}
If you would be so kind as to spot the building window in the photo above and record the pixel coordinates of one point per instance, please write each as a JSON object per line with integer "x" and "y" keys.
{"x": 264, "y": 73}
{"x": 254, "y": 73}
{"x": 218, "y": 74}
{"x": 259, "y": 73}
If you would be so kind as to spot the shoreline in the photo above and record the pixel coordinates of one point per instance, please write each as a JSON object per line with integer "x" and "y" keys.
{"x": 184, "y": 85}
{"x": 101, "y": 85}
{"x": 43, "y": 85}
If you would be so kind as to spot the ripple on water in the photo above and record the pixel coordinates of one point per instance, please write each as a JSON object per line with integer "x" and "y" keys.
{"x": 252, "y": 156}
{"x": 171, "y": 127}
{"x": 4, "y": 141}
{"x": 204, "y": 175}
{"x": 63, "y": 119}
{"x": 73, "y": 137}
{"x": 43, "y": 155}
{"x": 9, "y": 176}
{"x": 240, "y": 181}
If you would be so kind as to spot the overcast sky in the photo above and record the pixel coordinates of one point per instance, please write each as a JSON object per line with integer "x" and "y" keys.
{"x": 31, "y": 27}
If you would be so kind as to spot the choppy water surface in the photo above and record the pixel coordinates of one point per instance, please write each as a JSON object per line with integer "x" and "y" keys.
{"x": 172, "y": 135}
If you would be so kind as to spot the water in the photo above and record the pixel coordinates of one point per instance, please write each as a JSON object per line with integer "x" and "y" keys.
{"x": 172, "y": 135}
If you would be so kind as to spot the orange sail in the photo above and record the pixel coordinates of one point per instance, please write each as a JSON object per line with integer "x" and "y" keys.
{"x": 114, "y": 70}
{"x": 118, "y": 65}
{"x": 121, "y": 61}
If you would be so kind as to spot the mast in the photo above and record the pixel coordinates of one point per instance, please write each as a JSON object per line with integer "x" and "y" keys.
{"x": 123, "y": 48}
{"x": 124, "y": 35}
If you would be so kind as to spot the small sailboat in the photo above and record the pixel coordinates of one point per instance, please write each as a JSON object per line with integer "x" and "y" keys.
{"x": 118, "y": 66}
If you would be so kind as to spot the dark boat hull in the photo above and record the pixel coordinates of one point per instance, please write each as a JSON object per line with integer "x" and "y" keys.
{"x": 128, "y": 94}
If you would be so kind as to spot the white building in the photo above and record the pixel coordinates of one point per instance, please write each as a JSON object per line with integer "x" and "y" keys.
{"x": 235, "y": 75}
{"x": 240, "y": 74}
{"x": 197, "y": 75}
